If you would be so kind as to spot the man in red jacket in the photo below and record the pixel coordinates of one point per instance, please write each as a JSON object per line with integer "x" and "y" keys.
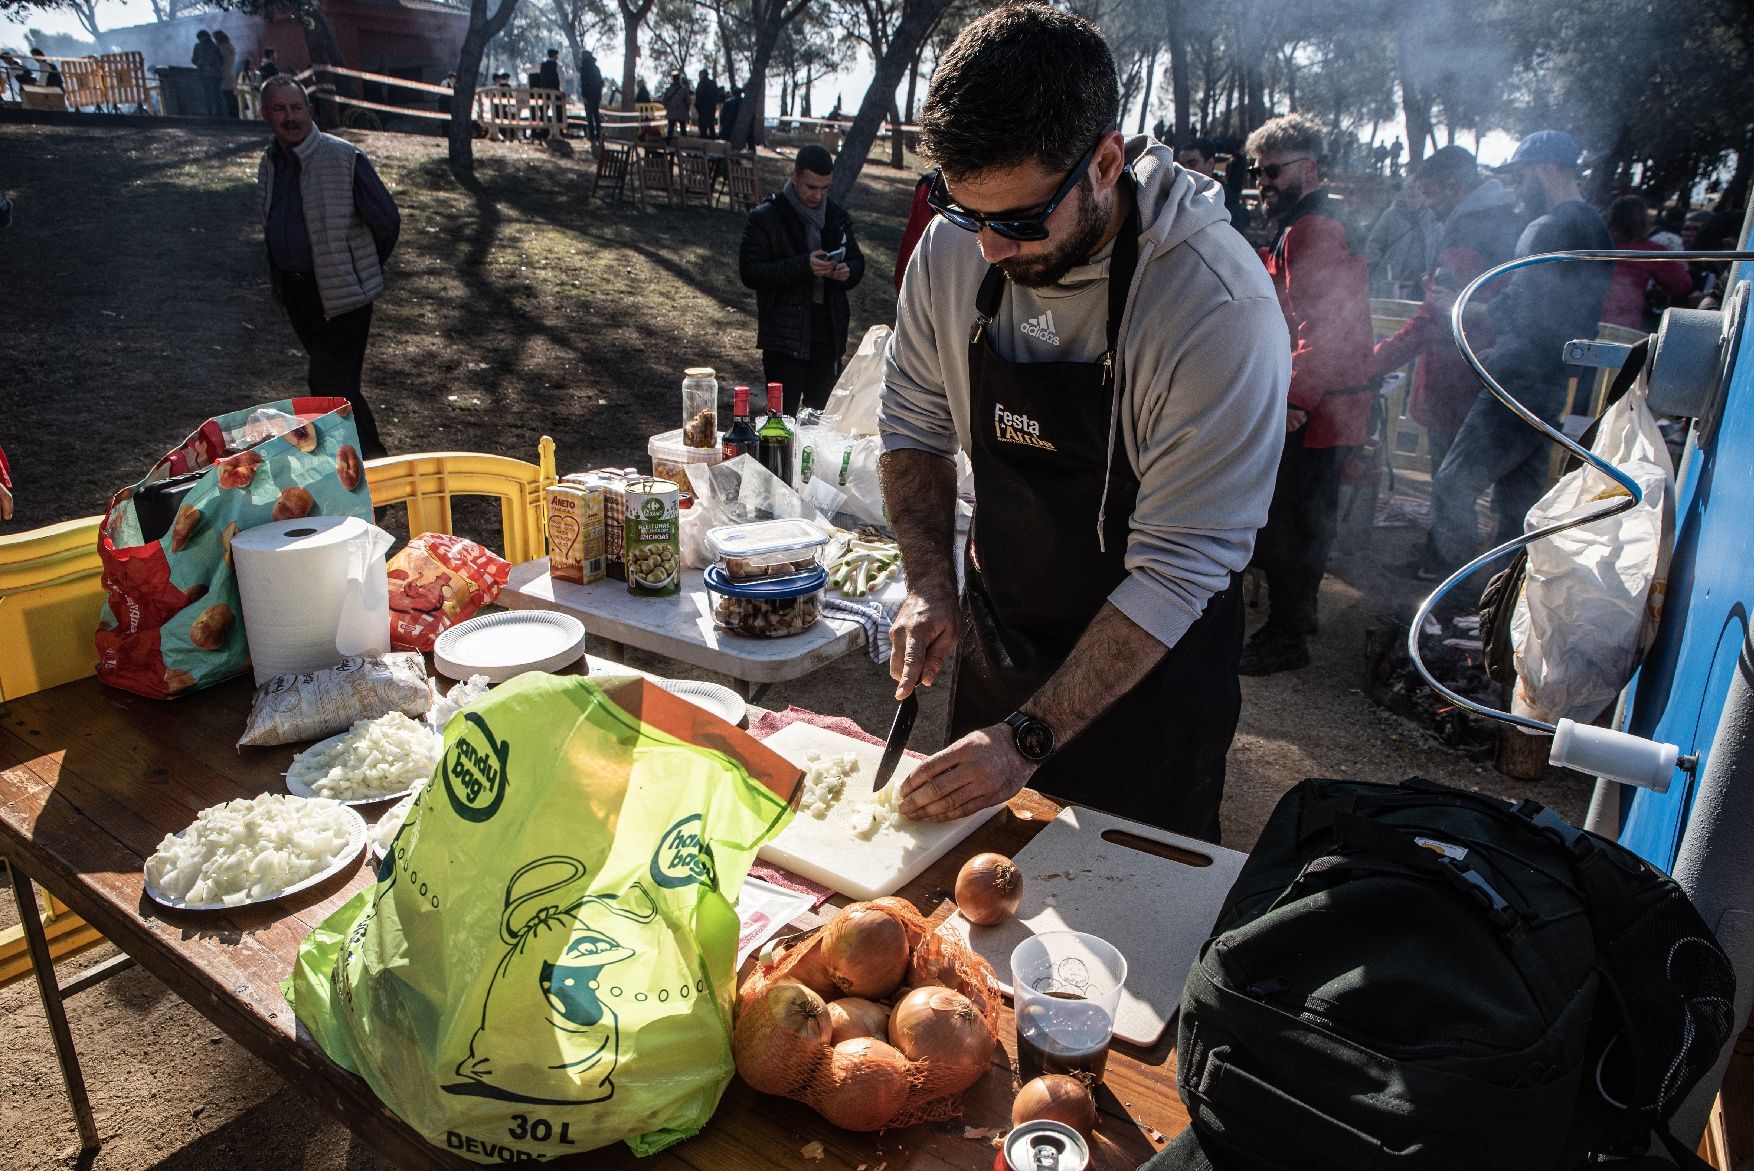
{"x": 1324, "y": 289}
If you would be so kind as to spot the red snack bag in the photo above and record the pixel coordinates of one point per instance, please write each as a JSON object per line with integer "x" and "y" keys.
{"x": 437, "y": 581}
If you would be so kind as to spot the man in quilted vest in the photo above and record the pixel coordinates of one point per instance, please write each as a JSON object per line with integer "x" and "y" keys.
{"x": 329, "y": 226}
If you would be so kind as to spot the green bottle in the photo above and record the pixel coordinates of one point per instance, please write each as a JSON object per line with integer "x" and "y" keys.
{"x": 776, "y": 436}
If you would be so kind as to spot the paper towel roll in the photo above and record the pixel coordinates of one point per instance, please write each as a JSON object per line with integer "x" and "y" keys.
{"x": 313, "y": 591}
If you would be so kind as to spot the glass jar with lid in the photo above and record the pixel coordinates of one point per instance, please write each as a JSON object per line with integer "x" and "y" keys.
{"x": 700, "y": 407}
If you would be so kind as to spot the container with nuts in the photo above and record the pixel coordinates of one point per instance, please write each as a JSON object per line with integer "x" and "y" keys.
{"x": 652, "y": 544}
{"x": 776, "y": 607}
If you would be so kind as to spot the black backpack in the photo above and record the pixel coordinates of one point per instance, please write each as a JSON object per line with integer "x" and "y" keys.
{"x": 1413, "y": 976}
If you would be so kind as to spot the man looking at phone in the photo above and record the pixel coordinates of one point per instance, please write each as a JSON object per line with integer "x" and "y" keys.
{"x": 1085, "y": 324}
{"x": 800, "y": 257}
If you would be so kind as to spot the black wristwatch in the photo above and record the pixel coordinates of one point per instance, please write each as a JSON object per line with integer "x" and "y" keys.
{"x": 1034, "y": 739}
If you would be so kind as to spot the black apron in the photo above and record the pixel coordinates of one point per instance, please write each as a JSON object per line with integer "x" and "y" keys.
{"x": 1036, "y": 577}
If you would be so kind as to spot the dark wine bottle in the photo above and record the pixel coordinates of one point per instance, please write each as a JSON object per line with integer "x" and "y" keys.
{"x": 741, "y": 439}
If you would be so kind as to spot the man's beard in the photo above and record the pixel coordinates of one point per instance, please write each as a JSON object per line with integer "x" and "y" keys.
{"x": 1287, "y": 196}
{"x": 1533, "y": 200}
{"x": 1051, "y": 267}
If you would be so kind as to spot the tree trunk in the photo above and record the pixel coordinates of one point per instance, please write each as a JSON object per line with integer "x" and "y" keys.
{"x": 1178, "y": 68}
{"x": 916, "y": 24}
{"x": 632, "y": 17}
{"x": 913, "y": 81}
{"x": 770, "y": 19}
{"x": 1150, "y": 81}
{"x": 897, "y": 147}
{"x": 1415, "y": 101}
{"x": 482, "y": 29}
{"x": 725, "y": 43}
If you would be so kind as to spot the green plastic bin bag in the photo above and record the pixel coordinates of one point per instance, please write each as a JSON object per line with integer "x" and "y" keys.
{"x": 547, "y": 961}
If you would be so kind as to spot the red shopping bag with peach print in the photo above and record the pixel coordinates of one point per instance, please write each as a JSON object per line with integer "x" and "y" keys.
{"x": 171, "y": 621}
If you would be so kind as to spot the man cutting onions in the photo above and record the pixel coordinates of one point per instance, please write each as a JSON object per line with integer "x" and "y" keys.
{"x": 1082, "y": 320}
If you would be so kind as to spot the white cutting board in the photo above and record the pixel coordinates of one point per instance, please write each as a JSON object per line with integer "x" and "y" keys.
{"x": 827, "y": 850}
{"x": 1157, "y": 911}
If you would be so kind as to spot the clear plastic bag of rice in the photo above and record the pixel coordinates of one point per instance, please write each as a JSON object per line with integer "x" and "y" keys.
{"x": 377, "y": 758}
{"x": 252, "y": 848}
{"x": 289, "y": 708}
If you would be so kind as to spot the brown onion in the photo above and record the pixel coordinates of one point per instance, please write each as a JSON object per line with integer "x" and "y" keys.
{"x": 907, "y": 913}
{"x": 810, "y": 971}
{"x": 942, "y": 1027}
{"x": 780, "y": 1038}
{"x": 988, "y": 889}
{"x": 854, "y": 1016}
{"x": 864, "y": 1085}
{"x": 1056, "y": 1097}
{"x": 865, "y": 951}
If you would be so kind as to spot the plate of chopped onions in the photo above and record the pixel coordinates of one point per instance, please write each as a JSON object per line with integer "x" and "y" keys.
{"x": 253, "y": 850}
{"x": 373, "y": 761}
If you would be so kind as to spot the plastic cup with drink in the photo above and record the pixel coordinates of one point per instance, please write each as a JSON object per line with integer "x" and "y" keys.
{"x": 1066, "y": 988}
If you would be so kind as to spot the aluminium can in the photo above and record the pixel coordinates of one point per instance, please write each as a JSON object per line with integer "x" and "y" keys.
{"x": 652, "y": 545}
{"x": 1043, "y": 1146}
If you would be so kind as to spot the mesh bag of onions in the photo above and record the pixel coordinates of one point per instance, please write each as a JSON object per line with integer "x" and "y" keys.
{"x": 873, "y": 1020}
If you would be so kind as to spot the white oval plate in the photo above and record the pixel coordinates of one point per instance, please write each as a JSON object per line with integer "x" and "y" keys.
{"x": 721, "y": 701}
{"x": 350, "y": 857}
{"x": 300, "y": 789}
{"x": 501, "y": 646}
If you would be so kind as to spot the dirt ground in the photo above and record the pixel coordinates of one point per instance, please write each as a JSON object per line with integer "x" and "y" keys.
{"x": 137, "y": 305}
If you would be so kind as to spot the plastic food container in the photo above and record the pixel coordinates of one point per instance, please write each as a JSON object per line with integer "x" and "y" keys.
{"x": 772, "y": 608}
{"x": 766, "y": 548}
{"x": 671, "y": 457}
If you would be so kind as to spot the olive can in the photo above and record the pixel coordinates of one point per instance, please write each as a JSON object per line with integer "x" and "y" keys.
{"x": 652, "y": 544}
{"x": 1043, "y": 1146}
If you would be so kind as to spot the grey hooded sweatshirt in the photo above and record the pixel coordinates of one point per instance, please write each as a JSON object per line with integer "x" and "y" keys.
{"x": 1202, "y": 373}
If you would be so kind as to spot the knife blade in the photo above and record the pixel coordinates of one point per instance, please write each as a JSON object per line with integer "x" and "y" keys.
{"x": 893, "y": 747}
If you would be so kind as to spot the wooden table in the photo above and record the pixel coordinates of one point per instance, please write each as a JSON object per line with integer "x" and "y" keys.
{"x": 91, "y": 779}
{"x": 680, "y": 627}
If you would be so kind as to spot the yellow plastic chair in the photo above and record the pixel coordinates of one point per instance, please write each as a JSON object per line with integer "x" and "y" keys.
{"x": 427, "y": 482}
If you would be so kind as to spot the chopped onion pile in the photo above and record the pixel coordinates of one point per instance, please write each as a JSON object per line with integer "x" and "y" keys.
{"x": 377, "y": 758}
{"x": 250, "y": 848}
{"x": 390, "y": 824}
{"x": 825, "y": 784}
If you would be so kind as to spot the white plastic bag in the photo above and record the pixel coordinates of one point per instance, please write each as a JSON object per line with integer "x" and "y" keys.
{"x": 1594, "y": 594}
{"x": 852, "y": 405}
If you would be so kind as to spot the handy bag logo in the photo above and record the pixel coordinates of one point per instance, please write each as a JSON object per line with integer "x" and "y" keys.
{"x": 683, "y": 858}
{"x": 474, "y": 769}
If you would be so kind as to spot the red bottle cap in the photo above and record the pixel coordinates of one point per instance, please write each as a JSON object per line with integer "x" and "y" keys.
{"x": 776, "y": 397}
{"x": 740, "y": 401}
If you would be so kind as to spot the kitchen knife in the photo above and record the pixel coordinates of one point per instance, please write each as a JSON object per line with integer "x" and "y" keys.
{"x": 893, "y": 747}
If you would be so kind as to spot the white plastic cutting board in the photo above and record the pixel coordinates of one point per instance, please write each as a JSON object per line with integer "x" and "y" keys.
{"x": 827, "y": 851}
{"x": 1156, "y": 910}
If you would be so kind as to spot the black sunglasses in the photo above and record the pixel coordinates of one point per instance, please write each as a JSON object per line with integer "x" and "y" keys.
{"x": 1027, "y": 228}
{"x": 1271, "y": 170}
